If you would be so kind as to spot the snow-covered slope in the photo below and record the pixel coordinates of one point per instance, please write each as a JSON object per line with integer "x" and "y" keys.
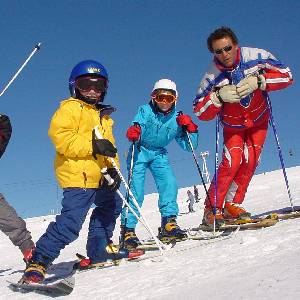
{"x": 260, "y": 264}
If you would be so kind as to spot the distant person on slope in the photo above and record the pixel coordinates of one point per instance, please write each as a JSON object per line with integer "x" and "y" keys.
{"x": 79, "y": 160}
{"x": 10, "y": 223}
{"x": 236, "y": 87}
{"x": 159, "y": 124}
{"x": 190, "y": 201}
{"x": 196, "y": 193}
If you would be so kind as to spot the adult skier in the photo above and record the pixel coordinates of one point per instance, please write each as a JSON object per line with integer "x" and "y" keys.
{"x": 159, "y": 124}
{"x": 236, "y": 87}
{"x": 10, "y": 223}
{"x": 78, "y": 164}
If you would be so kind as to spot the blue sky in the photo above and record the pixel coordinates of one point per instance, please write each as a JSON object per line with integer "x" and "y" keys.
{"x": 139, "y": 42}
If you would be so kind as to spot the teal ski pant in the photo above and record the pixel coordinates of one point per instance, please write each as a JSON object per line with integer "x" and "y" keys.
{"x": 158, "y": 163}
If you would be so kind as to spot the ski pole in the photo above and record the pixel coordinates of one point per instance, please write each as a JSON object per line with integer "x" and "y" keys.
{"x": 201, "y": 176}
{"x": 129, "y": 183}
{"x": 184, "y": 128}
{"x": 111, "y": 181}
{"x": 136, "y": 124}
{"x": 279, "y": 150}
{"x": 138, "y": 218}
{"x": 99, "y": 136}
{"x": 37, "y": 47}
{"x": 216, "y": 167}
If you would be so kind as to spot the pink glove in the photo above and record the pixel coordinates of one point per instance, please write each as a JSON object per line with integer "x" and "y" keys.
{"x": 133, "y": 133}
{"x": 184, "y": 120}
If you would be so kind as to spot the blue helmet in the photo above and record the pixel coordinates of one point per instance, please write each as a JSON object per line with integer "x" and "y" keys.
{"x": 84, "y": 68}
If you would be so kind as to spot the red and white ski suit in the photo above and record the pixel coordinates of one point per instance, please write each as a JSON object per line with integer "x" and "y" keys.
{"x": 244, "y": 124}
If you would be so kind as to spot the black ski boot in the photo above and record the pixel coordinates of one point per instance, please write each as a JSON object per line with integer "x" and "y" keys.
{"x": 170, "y": 229}
{"x": 128, "y": 238}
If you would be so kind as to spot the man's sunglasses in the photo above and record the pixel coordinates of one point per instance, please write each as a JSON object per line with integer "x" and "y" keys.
{"x": 220, "y": 51}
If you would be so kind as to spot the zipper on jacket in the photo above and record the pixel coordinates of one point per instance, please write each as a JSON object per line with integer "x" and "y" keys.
{"x": 84, "y": 175}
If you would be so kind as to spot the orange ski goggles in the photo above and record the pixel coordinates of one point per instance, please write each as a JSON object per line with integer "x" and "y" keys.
{"x": 164, "y": 96}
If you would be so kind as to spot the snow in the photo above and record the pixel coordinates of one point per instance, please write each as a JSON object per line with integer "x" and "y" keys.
{"x": 253, "y": 264}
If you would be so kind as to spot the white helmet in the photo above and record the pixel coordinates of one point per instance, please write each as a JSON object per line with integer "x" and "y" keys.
{"x": 165, "y": 84}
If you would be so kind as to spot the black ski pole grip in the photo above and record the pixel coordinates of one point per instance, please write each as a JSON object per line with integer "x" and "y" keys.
{"x": 137, "y": 124}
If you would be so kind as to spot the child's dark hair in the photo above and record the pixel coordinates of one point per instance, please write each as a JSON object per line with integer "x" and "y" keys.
{"x": 219, "y": 34}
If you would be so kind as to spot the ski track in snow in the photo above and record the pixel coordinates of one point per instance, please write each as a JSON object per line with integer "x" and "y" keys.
{"x": 253, "y": 264}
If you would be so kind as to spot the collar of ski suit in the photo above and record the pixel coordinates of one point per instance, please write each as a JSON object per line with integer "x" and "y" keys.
{"x": 236, "y": 61}
{"x": 235, "y": 74}
{"x": 104, "y": 110}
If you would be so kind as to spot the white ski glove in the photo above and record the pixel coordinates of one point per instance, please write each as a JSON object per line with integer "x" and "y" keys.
{"x": 249, "y": 84}
{"x": 214, "y": 99}
{"x": 227, "y": 93}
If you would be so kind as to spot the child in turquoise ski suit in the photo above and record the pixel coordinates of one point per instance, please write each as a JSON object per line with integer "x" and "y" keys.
{"x": 158, "y": 124}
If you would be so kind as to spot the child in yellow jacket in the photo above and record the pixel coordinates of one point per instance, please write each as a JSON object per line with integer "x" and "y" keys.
{"x": 78, "y": 164}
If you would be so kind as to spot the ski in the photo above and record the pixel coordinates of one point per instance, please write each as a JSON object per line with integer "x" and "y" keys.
{"x": 76, "y": 267}
{"x": 104, "y": 265}
{"x": 254, "y": 223}
{"x": 62, "y": 287}
{"x": 268, "y": 221}
{"x": 226, "y": 234}
{"x": 174, "y": 240}
{"x": 152, "y": 246}
{"x": 273, "y": 216}
{"x": 289, "y": 214}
